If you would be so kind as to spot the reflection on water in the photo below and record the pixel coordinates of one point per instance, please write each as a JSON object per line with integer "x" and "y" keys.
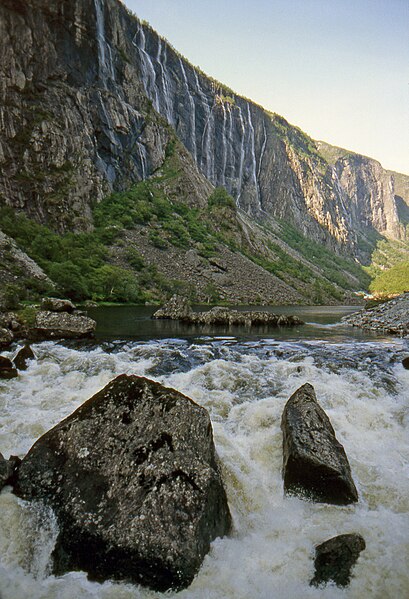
{"x": 135, "y": 322}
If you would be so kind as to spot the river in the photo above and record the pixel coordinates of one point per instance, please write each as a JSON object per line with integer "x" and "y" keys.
{"x": 244, "y": 379}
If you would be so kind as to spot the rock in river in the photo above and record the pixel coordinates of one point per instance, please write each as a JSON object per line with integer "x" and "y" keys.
{"x": 7, "y": 370}
{"x": 23, "y": 356}
{"x": 61, "y": 325}
{"x": 314, "y": 462}
{"x": 132, "y": 476}
{"x": 335, "y": 558}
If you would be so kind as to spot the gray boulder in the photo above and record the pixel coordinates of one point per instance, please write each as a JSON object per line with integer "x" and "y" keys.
{"x": 314, "y": 462}
{"x": 54, "y": 304}
{"x": 61, "y": 325}
{"x": 334, "y": 559}
{"x": 132, "y": 476}
{"x": 177, "y": 308}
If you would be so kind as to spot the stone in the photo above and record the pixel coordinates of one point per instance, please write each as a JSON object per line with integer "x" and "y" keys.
{"x": 8, "y": 470}
{"x": 334, "y": 559}
{"x": 7, "y": 371}
{"x": 133, "y": 478}
{"x": 6, "y": 337}
{"x": 177, "y": 308}
{"x": 315, "y": 465}
{"x": 405, "y": 363}
{"x": 23, "y": 356}
{"x": 53, "y": 304}
{"x": 61, "y": 325}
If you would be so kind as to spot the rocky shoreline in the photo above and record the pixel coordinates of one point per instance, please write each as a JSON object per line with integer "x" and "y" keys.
{"x": 54, "y": 319}
{"x": 391, "y": 317}
{"x": 179, "y": 308}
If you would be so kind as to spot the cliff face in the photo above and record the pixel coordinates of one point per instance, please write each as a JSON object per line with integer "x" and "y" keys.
{"x": 87, "y": 95}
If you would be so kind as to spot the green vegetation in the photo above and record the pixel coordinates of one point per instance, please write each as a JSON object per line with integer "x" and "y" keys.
{"x": 393, "y": 281}
{"x": 346, "y": 273}
{"x": 387, "y": 254}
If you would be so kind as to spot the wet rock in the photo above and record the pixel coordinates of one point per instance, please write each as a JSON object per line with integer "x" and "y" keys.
{"x": 61, "y": 325}
{"x": 8, "y": 470}
{"x": 132, "y": 476}
{"x": 23, "y": 356}
{"x": 53, "y": 304}
{"x": 7, "y": 370}
{"x": 405, "y": 363}
{"x": 334, "y": 559}
{"x": 177, "y": 308}
{"x": 6, "y": 337}
{"x": 315, "y": 464}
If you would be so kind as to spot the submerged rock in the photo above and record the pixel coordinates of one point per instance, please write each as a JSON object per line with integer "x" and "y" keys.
{"x": 22, "y": 357}
{"x": 334, "y": 559}
{"x": 314, "y": 462}
{"x": 178, "y": 308}
{"x": 133, "y": 478}
{"x": 7, "y": 370}
{"x": 61, "y": 325}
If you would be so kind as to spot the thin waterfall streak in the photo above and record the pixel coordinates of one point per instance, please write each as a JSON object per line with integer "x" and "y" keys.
{"x": 105, "y": 64}
{"x": 192, "y": 113}
{"x": 253, "y": 154}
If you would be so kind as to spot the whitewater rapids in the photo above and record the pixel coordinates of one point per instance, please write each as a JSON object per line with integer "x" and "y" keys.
{"x": 362, "y": 386}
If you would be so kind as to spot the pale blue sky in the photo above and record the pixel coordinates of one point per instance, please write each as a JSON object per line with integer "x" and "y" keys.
{"x": 339, "y": 69}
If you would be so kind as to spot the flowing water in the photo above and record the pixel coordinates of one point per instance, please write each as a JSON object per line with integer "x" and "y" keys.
{"x": 244, "y": 380}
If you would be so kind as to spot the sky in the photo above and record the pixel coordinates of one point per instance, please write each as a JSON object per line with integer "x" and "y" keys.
{"x": 339, "y": 69}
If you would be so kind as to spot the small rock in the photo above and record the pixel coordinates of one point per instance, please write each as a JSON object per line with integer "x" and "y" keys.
{"x": 405, "y": 363}
{"x": 54, "y": 304}
{"x": 22, "y": 357}
{"x": 314, "y": 462}
{"x": 334, "y": 559}
{"x": 7, "y": 371}
{"x": 8, "y": 470}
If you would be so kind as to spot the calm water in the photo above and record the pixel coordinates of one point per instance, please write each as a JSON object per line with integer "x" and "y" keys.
{"x": 244, "y": 381}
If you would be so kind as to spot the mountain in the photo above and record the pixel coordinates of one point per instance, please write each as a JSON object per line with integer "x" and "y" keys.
{"x": 93, "y": 102}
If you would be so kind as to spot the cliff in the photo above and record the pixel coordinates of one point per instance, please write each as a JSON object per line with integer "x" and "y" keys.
{"x": 90, "y": 101}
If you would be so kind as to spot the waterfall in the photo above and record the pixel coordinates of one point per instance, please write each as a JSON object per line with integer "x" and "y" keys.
{"x": 253, "y": 154}
{"x": 167, "y": 101}
{"x": 147, "y": 69}
{"x": 192, "y": 112}
{"x": 105, "y": 62}
{"x": 224, "y": 145}
{"x": 242, "y": 156}
{"x": 263, "y": 149}
{"x": 206, "y": 159}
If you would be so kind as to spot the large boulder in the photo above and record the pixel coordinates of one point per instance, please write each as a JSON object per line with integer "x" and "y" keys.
{"x": 334, "y": 559}
{"x": 132, "y": 476}
{"x": 61, "y": 325}
{"x": 315, "y": 464}
{"x": 7, "y": 370}
{"x": 54, "y": 304}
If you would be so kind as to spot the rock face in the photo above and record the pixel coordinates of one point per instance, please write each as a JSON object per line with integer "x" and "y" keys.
{"x": 391, "y": 317}
{"x": 178, "y": 308}
{"x": 133, "y": 479}
{"x": 314, "y": 462}
{"x": 87, "y": 92}
{"x": 61, "y": 325}
{"x": 334, "y": 559}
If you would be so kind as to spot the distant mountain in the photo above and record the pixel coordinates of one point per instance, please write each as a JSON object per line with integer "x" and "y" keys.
{"x": 94, "y": 101}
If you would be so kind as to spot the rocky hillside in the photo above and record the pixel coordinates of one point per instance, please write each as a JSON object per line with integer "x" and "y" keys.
{"x": 90, "y": 101}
